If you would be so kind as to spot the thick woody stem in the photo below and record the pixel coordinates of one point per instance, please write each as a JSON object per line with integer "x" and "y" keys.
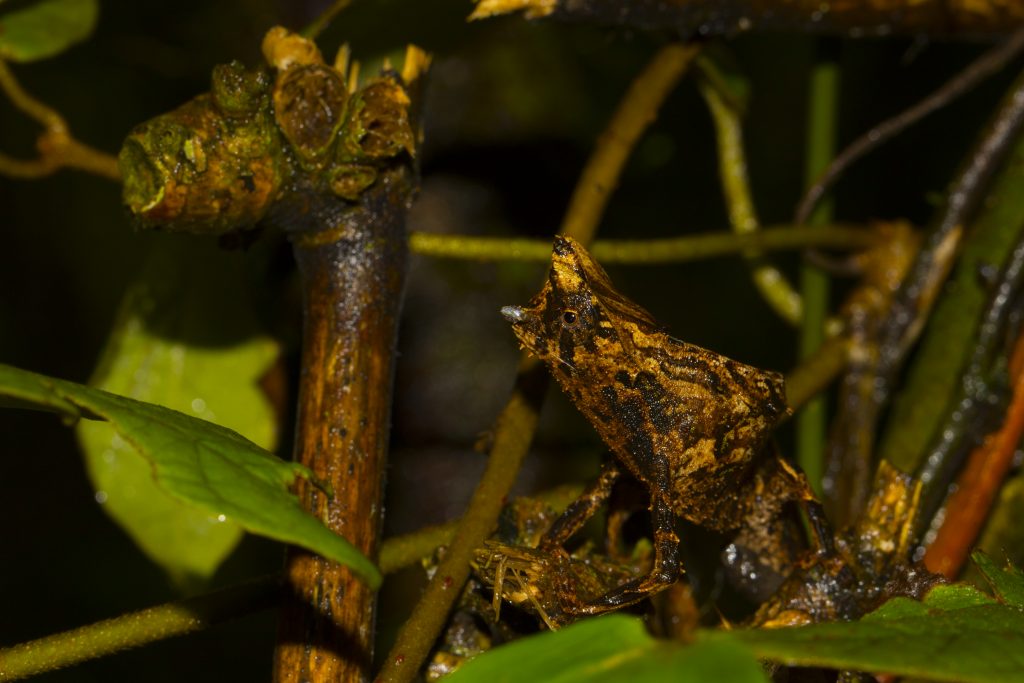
{"x": 934, "y": 18}
{"x": 352, "y": 274}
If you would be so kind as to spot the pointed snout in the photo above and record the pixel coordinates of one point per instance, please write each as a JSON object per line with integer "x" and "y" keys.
{"x": 513, "y": 314}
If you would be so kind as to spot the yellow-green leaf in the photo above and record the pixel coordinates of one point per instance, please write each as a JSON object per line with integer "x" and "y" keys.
{"x": 185, "y": 339}
{"x": 45, "y": 28}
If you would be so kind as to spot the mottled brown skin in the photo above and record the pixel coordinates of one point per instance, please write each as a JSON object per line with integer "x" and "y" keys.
{"x": 686, "y": 422}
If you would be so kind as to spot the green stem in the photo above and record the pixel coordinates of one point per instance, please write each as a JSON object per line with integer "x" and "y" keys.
{"x": 183, "y": 617}
{"x": 317, "y": 26}
{"x": 398, "y": 552}
{"x": 817, "y": 371}
{"x": 732, "y": 168}
{"x": 652, "y": 251}
{"x": 823, "y": 113}
{"x": 138, "y": 628}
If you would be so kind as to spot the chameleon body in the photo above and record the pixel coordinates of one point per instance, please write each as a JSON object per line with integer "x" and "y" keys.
{"x": 687, "y": 423}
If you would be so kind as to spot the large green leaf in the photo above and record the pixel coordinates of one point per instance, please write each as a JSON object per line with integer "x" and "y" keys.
{"x": 187, "y": 340}
{"x": 611, "y": 648}
{"x": 45, "y": 28}
{"x": 956, "y": 634}
{"x": 197, "y": 462}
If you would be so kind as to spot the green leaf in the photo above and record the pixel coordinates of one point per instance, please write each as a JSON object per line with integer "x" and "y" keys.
{"x": 45, "y": 28}
{"x": 1004, "y": 534}
{"x": 610, "y": 648}
{"x": 162, "y": 350}
{"x": 1007, "y": 584}
{"x": 956, "y": 634}
{"x": 198, "y": 463}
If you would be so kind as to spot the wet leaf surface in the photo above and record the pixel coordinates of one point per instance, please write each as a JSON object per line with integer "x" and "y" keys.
{"x": 197, "y": 462}
{"x": 956, "y": 634}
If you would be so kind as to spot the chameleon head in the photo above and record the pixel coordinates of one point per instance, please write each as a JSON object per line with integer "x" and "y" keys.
{"x": 576, "y": 312}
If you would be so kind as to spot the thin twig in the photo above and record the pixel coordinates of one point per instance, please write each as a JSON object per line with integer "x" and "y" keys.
{"x": 982, "y": 386}
{"x": 317, "y": 26}
{"x": 816, "y": 372}
{"x": 514, "y": 428}
{"x": 977, "y": 71}
{"x": 637, "y": 110}
{"x": 652, "y": 251}
{"x": 969, "y": 505}
{"x": 57, "y": 149}
{"x": 849, "y": 453}
{"x": 914, "y": 300}
{"x": 732, "y": 167}
{"x": 403, "y": 551}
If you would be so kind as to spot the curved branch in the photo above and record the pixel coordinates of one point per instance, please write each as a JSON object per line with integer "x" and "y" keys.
{"x": 57, "y": 149}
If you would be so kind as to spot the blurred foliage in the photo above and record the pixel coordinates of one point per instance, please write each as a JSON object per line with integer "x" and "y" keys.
{"x": 513, "y": 109}
{"x": 45, "y": 28}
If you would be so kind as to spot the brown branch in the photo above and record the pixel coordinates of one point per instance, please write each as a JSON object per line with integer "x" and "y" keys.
{"x": 352, "y": 288}
{"x": 637, "y": 110}
{"x": 934, "y": 18}
{"x": 913, "y": 302}
{"x": 351, "y": 249}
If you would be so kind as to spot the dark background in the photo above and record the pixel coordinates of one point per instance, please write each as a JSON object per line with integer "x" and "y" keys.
{"x": 513, "y": 111}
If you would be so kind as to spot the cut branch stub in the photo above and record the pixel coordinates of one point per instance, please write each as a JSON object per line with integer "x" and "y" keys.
{"x": 224, "y": 160}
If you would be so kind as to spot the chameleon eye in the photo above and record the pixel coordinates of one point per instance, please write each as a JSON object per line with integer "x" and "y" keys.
{"x": 569, "y": 317}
